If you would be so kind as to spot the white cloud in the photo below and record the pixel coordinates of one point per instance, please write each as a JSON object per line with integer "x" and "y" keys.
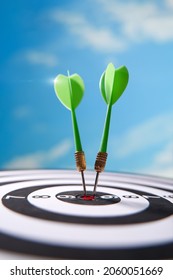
{"x": 99, "y": 38}
{"x": 40, "y": 128}
{"x": 40, "y": 159}
{"x": 165, "y": 157}
{"x": 22, "y": 112}
{"x": 126, "y": 22}
{"x": 141, "y": 20}
{"x": 154, "y": 131}
{"x": 39, "y": 58}
{"x": 162, "y": 163}
{"x": 155, "y": 137}
{"x": 169, "y": 3}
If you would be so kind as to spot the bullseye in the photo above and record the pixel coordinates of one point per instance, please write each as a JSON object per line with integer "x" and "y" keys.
{"x": 88, "y": 197}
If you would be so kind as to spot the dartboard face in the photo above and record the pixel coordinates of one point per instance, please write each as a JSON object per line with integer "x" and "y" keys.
{"x": 44, "y": 212}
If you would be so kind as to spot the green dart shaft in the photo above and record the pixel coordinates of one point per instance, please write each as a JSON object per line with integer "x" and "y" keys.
{"x": 102, "y": 154}
{"x": 77, "y": 141}
{"x": 104, "y": 141}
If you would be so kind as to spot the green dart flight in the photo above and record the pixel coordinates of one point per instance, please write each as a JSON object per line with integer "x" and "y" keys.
{"x": 70, "y": 90}
{"x": 112, "y": 84}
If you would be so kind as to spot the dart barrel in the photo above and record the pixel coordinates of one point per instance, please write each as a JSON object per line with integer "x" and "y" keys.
{"x": 100, "y": 161}
{"x": 80, "y": 161}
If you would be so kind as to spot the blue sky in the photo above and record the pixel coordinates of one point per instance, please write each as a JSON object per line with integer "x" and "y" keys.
{"x": 41, "y": 39}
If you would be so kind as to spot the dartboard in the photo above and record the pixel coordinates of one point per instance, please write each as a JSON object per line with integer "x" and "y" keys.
{"x": 44, "y": 213}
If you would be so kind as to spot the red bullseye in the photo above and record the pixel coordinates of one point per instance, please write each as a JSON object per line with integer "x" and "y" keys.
{"x": 88, "y": 197}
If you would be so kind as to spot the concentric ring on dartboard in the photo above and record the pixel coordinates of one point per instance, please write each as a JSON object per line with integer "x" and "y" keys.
{"x": 41, "y": 202}
{"x": 144, "y": 239}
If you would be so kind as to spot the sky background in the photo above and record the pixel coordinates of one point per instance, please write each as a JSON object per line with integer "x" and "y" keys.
{"x": 41, "y": 39}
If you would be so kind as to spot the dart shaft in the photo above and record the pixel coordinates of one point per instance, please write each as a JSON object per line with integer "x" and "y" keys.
{"x": 77, "y": 141}
{"x": 104, "y": 141}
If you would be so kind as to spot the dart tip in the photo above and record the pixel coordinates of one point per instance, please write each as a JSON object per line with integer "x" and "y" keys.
{"x": 96, "y": 182}
{"x": 81, "y": 166}
{"x": 99, "y": 167}
{"x": 83, "y": 182}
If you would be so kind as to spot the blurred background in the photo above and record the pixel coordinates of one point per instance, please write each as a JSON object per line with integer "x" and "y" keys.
{"x": 40, "y": 39}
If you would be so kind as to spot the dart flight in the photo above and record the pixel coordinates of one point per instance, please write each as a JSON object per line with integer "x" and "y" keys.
{"x": 112, "y": 85}
{"x": 70, "y": 91}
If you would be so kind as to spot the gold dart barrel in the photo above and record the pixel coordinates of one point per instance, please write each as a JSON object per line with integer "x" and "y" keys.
{"x": 100, "y": 161}
{"x": 80, "y": 161}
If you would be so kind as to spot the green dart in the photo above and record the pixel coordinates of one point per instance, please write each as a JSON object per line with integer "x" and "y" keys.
{"x": 70, "y": 91}
{"x": 112, "y": 84}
